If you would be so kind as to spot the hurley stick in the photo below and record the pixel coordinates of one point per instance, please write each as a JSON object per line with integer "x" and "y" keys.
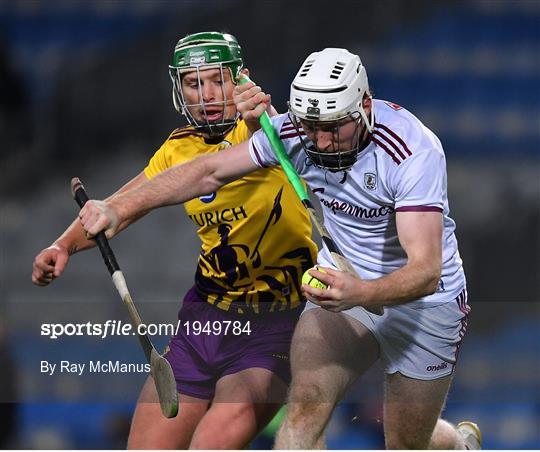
{"x": 160, "y": 368}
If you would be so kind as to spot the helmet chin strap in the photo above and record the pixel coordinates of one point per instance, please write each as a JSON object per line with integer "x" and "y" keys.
{"x": 369, "y": 123}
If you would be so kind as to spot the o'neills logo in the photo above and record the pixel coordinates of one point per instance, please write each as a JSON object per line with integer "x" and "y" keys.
{"x": 351, "y": 209}
{"x": 441, "y": 366}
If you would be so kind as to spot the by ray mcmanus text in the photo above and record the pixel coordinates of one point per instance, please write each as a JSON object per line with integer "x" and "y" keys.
{"x": 80, "y": 368}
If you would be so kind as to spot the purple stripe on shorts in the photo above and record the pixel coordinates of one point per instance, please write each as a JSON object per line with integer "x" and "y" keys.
{"x": 461, "y": 301}
{"x": 419, "y": 209}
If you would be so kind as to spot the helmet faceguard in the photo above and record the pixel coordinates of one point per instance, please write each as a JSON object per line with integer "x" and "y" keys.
{"x": 326, "y": 94}
{"x": 199, "y": 52}
{"x": 333, "y": 159}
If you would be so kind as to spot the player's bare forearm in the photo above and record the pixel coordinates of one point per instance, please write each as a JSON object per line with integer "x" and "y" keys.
{"x": 172, "y": 186}
{"x": 420, "y": 234}
{"x": 180, "y": 183}
{"x": 413, "y": 281}
{"x": 73, "y": 239}
{"x": 344, "y": 290}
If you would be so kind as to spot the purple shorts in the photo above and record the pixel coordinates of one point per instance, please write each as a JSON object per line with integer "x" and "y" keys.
{"x": 200, "y": 353}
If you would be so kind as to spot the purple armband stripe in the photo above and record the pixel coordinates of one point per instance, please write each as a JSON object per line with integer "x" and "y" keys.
{"x": 419, "y": 209}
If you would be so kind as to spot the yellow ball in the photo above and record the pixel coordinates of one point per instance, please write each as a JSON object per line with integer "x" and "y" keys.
{"x": 312, "y": 281}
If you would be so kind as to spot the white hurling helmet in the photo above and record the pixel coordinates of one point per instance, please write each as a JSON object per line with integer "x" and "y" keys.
{"x": 328, "y": 88}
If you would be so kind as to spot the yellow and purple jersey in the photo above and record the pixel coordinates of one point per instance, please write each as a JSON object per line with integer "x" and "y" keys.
{"x": 255, "y": 233}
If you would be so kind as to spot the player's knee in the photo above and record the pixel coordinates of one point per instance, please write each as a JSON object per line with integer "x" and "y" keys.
{"x": 306, "y": 393}
{"x": 307, "y": 404}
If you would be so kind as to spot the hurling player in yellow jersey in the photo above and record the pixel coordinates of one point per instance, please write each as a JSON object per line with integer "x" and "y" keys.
{"x": 256, "y": 244}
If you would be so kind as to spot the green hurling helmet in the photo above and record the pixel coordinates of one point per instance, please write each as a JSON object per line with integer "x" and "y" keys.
{"x": 196, "y": 53}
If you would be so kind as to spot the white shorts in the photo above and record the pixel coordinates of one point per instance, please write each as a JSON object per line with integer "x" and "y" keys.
{"x": 418, "y": 340}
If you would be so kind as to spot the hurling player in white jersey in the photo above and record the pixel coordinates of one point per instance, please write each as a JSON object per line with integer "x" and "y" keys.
{"x": 380, "y": 176}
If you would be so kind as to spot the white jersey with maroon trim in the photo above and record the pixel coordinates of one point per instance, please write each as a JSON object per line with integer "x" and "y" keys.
{"x": 402, "y": 169}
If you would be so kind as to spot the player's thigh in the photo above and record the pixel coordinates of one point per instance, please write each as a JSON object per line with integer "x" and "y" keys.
{"x": 151, "y": 430}
{"x": 244, "y": 402}
{"x": 411, "y": 410}
{"x": 328, "y": 353}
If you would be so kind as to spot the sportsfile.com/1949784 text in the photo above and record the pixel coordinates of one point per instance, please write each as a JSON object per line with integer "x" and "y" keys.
{"x": 119, "y": 328}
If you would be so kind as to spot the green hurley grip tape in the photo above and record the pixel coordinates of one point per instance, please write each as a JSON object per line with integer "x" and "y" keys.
{"x": 279, "y": 149}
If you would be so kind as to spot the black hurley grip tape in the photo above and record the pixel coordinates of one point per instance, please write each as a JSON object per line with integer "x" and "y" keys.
{"x": 307, "y": 204}
{"x": 106, "y": 252}
{"x": 330, "y": 244}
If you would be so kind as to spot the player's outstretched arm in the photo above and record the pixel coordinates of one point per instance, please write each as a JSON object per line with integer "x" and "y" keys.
{"x": 180, "y": 183}
{"x": 50, "y": 263}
